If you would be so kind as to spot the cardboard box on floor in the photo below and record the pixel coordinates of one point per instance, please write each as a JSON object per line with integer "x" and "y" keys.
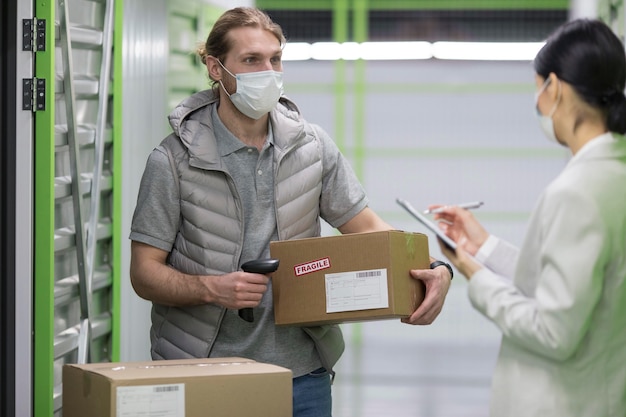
{"x": 347, "y": 278}
{"x": 234, "y": 387}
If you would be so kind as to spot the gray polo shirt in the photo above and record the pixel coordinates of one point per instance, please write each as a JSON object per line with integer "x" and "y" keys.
{"x": 253, "y": 173}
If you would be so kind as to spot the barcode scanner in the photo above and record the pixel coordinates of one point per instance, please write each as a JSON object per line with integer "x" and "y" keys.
{"x": 257, "y": 266}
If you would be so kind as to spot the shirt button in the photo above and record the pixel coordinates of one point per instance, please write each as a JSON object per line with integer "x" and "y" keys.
{"x": 249, "y": 150}
{"x": 259, "y": 172}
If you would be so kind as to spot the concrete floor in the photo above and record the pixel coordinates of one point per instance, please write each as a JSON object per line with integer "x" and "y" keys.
{"x": 442, "y": 370}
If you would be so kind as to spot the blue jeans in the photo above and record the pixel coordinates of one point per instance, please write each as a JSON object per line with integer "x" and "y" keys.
{"x": 311, "y": 395}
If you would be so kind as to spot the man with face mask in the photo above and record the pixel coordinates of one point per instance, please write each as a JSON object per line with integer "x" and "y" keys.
{"x": 243, "y": 168}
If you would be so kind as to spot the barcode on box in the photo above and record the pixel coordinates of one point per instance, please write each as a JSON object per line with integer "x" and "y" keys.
{"x": 168, "y": 388}
{"x": 368, "y": 274}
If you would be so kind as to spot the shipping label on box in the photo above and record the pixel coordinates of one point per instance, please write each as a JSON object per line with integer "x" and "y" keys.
{"x": 356, "y": 290}
{"x": 159, "y": 400}
{"x": 354, "y": 277}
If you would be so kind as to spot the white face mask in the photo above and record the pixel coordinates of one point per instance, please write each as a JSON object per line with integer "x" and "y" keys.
{"x": 257, "y": 92}
{"x": 545, "y": 122}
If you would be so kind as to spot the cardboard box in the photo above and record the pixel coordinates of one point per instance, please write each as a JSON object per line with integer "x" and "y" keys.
{"x": 353, "y": 277}
{"x": 233, "y": 387}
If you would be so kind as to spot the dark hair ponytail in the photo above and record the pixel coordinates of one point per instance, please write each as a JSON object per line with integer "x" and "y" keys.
{"x": 590, "y": 57}
{"x": 616, "y": 116}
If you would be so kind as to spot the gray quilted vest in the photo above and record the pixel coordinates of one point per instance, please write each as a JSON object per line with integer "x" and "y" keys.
{"x": 210, "y": 235}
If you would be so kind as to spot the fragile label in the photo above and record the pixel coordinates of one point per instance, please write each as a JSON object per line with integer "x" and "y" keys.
{"x": 313, "y": 266}
{"x": 151, "y": 401}
{"x": 356, "y": 290}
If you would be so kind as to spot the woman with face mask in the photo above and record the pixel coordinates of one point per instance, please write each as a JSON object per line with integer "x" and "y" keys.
{"x": 560, "y": 301}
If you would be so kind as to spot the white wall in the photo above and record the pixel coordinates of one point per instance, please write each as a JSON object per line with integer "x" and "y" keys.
{"x": 583, "y": 8}
{"x": 144, "y": 102}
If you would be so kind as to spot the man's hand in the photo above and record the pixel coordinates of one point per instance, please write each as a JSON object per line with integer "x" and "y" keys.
{"x": 156, "y": 281}
{"x": 437, "y": 283}
{"x": 238, "y": 289}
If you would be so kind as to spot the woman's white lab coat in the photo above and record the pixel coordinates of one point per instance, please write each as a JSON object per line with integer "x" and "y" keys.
{"x": 563, "y": 311}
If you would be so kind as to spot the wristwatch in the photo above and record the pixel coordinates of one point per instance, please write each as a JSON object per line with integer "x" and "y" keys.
{"x": 435, "y": 264}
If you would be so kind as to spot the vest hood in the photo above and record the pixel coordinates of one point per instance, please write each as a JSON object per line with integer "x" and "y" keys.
{"x": 286, "y": 119}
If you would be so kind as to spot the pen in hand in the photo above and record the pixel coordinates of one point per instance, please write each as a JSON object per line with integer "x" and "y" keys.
{"x": 468, "y": 206}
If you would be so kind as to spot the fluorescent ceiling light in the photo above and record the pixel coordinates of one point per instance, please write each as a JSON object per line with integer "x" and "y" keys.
{"x": 325, "y": 51}
{"x": 297, "y": 51}
{"x": 350, "y": 51}
{"x": 487, "y": 51}
{"x": 396, "y": 50}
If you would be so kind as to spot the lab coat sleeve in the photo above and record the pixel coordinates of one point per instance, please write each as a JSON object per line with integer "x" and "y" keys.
{"x": 502, "y": 258}
{"x": 570, "y": 250}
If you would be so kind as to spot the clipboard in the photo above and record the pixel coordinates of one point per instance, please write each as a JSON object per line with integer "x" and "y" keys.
{"x": 449, "y": 243}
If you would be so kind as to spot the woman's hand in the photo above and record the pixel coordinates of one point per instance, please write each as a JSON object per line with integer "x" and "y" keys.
{"x": 462, "y": 227}
{"x": 462, "y": 261}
